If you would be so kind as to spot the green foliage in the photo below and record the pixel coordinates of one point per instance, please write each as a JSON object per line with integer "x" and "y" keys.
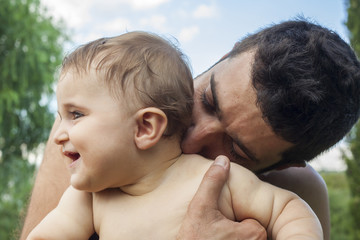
{"x": 30, "y": 50}
{"x": 339, "y": 196}
{"x": 353, "y": 160}
{"x": 353, "y": 23}
{"x": 353, "y": 176}
{"x": 15, "y": 196}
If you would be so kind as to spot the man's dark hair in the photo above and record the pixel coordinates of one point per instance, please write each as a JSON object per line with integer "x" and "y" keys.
{"x": 307, "y": 81}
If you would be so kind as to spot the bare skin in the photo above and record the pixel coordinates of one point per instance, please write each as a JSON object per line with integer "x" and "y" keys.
{"x": 204, "y": 220}
{"x": 226, "y": 89}
{"x": 123, "y": 173}
{"x": 51, "y": 182}
{"x": 205, "y": 140}
{"x": 313, "y": 190}
{"x": 202, "y": 212}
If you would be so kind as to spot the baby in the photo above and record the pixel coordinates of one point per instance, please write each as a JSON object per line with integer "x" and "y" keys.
{"x": 124, "y": 103}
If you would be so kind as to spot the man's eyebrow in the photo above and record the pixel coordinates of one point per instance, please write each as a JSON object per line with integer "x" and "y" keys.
{"x": 213, "y": 86}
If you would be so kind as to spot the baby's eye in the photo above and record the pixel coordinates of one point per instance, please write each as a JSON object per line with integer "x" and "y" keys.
{"x": 76, "y": 115}
{"x": 59, "y": 115}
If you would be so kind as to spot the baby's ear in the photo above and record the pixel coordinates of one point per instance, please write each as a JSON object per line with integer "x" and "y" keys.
{"x": 151, "y": 124}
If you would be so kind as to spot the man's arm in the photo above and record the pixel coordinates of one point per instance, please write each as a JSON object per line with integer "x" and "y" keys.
{"x": 307, "y": 184}
{"x": 203, "y": 219}
{"x": 51, "y": 182}
{"x": 71, "y": 219}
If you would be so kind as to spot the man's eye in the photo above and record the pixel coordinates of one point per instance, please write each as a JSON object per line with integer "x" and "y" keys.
{"x": 235, "y": 154}
{"x": 209, "y": 105}
{"x": 76, "y": 115}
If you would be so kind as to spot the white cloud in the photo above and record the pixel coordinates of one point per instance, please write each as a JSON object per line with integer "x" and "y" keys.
{"x": 116, "y": 26}
{"x": 183, "y": 13}
{"x": 331, "y": 160}
{"x": 146, "y": 4}
{"x": 187, "y": 34}
{"x": 77, "y": 13}
{"x": 156, "y": 21}
{"x": 205, "y": 11}
{"x": 80, "y": 39}
{"x": 110, "y": 5}
{"x": 74, "y": 12}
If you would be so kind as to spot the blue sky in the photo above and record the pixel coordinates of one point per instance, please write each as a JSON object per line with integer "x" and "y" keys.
{"x": 205, "y": 29}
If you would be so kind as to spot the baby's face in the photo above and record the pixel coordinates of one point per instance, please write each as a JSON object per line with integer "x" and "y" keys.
{"x": 96, "y": 133}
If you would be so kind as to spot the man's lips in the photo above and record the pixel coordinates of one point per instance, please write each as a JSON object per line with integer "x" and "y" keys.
{"x": 72, "y": 155}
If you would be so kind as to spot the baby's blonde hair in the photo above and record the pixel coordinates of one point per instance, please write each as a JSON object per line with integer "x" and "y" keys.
{"x": 141, "y": 65}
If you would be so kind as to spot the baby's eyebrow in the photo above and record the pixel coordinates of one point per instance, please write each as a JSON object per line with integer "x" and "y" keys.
{"x": 69, "y": 105}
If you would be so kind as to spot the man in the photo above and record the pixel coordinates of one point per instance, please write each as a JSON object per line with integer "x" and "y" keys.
{"x": 278, "y": 99}
{"x": 298, "y": 97}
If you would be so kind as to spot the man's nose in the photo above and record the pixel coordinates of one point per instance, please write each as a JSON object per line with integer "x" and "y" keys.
{"x": 202, "y": 135}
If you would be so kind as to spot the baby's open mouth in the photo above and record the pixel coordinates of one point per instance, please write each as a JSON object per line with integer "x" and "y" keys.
{"x": 73, "y": 155}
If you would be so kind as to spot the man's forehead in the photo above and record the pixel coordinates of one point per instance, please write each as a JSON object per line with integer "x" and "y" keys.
{"x": 213, "y": 67}
{"x": 233, "y": 79}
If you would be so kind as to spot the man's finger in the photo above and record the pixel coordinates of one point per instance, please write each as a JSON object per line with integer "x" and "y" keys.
{"x": 212, "y": 184}
{"x": 250, "y": 229}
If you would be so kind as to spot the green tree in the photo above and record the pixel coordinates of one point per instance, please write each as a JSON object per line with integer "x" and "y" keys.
{"x": 353, "y": 177}
{"x": 339, "y": 196}
{"x": 353, "y": 160}
{"x": 30, "y": 51}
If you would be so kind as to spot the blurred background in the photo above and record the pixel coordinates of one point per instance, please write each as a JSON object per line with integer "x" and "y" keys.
{"x": 36, "y": 34}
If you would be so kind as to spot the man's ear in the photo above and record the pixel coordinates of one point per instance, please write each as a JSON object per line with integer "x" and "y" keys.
{"x": 151, "y": 123}
{"x": 295, "y": 164}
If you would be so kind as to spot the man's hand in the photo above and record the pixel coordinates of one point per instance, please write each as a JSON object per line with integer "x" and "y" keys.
{"x": 203, "y": 220}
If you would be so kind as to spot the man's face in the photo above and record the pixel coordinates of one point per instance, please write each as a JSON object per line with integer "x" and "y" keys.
{"x": 226, "y": 119}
